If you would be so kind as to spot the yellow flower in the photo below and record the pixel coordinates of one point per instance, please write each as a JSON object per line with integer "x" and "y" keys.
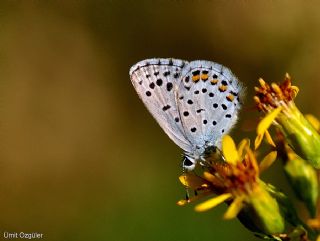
{"x": 277, "y": 101}
{"x": 236, "y": 181}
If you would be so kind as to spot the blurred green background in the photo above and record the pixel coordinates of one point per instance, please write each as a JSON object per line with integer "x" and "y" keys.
{"x": 80, "y": 156}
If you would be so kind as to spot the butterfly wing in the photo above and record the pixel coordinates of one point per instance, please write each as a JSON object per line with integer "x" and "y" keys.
{"x": 210, "y": 104}
{"x": 156, "y": 82}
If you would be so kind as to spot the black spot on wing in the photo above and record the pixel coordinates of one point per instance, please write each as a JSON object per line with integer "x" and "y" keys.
{"x": 152, "y": 85}
{"x": 199, "y": 111}
{"x": 159, "y": 82}
{"x": 224, "y": 106}
{"x": 196, "y": 72}
{"x": 224, "y": 82}
{"x": 166, "y": 107}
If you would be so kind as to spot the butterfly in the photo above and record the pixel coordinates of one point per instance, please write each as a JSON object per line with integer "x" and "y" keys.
{"x": 195, "y": 103}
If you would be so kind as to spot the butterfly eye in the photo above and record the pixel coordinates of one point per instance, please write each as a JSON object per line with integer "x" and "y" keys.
{"x": 188, "y": 164}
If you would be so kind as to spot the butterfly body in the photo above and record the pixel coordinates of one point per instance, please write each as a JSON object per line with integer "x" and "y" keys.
{"x": 195, "y": 103}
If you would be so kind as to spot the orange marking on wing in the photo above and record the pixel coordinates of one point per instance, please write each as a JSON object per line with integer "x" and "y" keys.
{"x": 230, "y": 97}
{"x": 195, "y": 78}
{"x": 214, "y": 81}
{"x": 204, "y": 76}
{"x": 223, "y": 88}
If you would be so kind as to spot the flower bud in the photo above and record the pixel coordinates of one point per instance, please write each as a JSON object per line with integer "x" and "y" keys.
{"x": 262, "y": 214}
{"x": 303, "y": 179}
{"x": 300, "y": 134}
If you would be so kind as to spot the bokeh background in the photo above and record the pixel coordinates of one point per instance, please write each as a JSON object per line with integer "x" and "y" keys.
{"x": 80, "y": 156}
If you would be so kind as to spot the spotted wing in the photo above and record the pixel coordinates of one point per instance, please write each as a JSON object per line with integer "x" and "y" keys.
{"x": 156, "y": 81}
{"x": 208, "y": 103}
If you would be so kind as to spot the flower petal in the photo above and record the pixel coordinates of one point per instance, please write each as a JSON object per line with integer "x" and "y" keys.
{"x": 182, "y": 202}
{"x": 252, "y": 160}
{"x": 211, "y": 203}
{"x": 264, "y": 124}
{"x": 295, "y": 90}
{"x": 208, "y": 176}
{"x": 258, "y": 140}
{"x": 267, "y": 120}
{"x": 192, "y": 181}
{"x": 234, "y": 208}
{"x": 241, "y": 146}
{"x": 313, "y": 121}
{"x": 269, "y": 138}
{"x": 229, "y": 150}
{"x": 194, "y": 198}
{"x": 262, "y": 82}
{"x": 213, "y": 179}
{"x": 267, "y": 161}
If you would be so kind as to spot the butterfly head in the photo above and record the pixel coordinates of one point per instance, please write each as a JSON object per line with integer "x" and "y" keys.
{"x": 201, "y": 155}
{"x": 191, "y": 159}
{"x": 188, "y": 163}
